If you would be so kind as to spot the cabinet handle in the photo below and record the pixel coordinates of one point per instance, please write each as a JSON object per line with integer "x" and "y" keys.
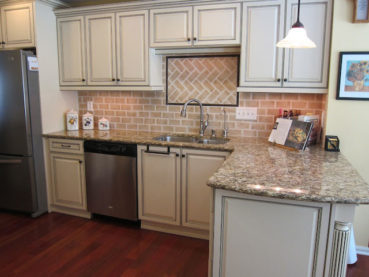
{"x": 194, "y": 39}
{"x": 10, "y": 161}
{"x": 279, "y": 79}
{"x": 113, "y": 80}
{"x": 285, "y": 80}
{"x": 66, "y": 145}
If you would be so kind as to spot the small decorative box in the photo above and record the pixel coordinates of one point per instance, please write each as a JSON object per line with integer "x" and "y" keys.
{"x": 103, "y": 124}
{"x": 72, "y": 120}
{"x": 332, "y": 143}
{"x": 87, "y": 121}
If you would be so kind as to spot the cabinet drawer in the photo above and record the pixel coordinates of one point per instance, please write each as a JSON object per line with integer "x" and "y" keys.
{"x": 67, "y": 146}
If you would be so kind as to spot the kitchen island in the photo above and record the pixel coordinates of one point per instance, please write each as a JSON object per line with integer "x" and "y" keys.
{"x": 291, "y": 210}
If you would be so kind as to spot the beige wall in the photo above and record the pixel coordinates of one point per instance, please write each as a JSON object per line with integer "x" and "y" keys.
{"x": 349, "y": 120}
{"x": 54, "y": 103}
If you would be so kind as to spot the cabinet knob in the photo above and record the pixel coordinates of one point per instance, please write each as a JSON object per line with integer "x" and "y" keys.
{"x": 83, "y": 80}
{"x": 285, "y": 80}
{"x": 113, "y": 80}
{"x": 279, "y": 79}
{"x": 118, "y": 80}
{"x": 80, "y": 161}
{"x": 194, "y": 39}
{"x": 188, "y": 39}
{"x": 3, "y": 42}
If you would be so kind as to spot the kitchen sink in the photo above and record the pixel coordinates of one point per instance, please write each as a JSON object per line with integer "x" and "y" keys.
{"x": 176, "y": 138}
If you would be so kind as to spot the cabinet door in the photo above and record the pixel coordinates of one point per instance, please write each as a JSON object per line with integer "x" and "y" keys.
{"x": 261, "y": 60}
{"x": 17, "y": 26}
{"x": 171, "y": 27}
{"x": 217, "y": 24}
{"x": 197, "y": 168}
{"x": 101, "y": 56}
{"x": 309, "y": 67}
{"x": 159, "y": 184}
{"x": 71, "y": 41}
{"x": 132, "y": 48}
{"x": 68, "y": 180}
{"x": 290, "y": 237}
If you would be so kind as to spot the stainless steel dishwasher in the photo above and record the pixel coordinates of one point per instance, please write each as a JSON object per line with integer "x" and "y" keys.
{"x": 111, "y": 176}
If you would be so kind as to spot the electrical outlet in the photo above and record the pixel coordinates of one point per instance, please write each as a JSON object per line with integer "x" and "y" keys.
{"x": 90, "y": 106}
{"x": 246, "y": 113}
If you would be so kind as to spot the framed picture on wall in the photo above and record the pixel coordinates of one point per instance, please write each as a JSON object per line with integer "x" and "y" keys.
{"x": 353, "y": 76}
{"x": 361, "y": 11}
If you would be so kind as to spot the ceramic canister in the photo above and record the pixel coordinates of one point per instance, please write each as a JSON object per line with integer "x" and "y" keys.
{"x": 72, "y": 120}
{"x": 88, "y": 121}
{"x": 103, "y": 124}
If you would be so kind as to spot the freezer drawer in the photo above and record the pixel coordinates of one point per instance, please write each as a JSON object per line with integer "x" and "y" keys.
{"x": 111, "y": 185}
{"x": 17, "y": 185}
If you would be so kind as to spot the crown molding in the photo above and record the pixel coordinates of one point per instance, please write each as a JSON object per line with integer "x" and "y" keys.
{"x": 131, "y": 5}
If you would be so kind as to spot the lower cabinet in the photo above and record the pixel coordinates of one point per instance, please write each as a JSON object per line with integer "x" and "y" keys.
{"x": 67, "y": 183}
{"x": 172, "y": 188}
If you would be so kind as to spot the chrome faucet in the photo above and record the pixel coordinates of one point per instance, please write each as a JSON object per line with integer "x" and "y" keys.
{"x": 203, "y": 124}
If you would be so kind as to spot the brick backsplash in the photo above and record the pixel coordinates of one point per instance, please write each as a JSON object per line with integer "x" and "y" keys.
{"x": 147, "y": 111}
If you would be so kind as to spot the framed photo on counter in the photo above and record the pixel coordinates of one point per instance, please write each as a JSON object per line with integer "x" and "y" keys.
{"x": 353, "y": 76}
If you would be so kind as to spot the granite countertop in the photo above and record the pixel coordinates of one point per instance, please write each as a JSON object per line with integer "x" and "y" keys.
{"x": 259, "y": 168}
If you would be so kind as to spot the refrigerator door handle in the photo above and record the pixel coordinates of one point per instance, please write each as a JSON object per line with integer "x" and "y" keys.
{"x": 10, "y": 161}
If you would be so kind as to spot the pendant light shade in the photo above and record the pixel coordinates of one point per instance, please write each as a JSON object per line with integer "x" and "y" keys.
{"x": 297, "y": 36}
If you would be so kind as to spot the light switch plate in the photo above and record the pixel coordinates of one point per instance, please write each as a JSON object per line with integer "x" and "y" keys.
{"x": 90, "y": 106}
{"x": 246, "y": 113}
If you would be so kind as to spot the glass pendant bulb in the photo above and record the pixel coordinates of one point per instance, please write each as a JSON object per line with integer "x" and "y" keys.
{"x": 297, "y": 36}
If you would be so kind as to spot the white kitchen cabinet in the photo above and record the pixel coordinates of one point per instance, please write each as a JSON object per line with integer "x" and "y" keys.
{"x": 171, "y": 27}
{"x": 195, "y": 26}
{"x": 101, "y": 58}
{"x": 263, "y": 65}
{"x": 262, "y": 28}
{"x": 252, "y": 231}
{"x": 197, "y": 168}
{"x": 17, "y": 26}
{"x": 132, "y": 48}
{"x": 71, "y": 50}
{"x": 159, "y": 170}
{"x": 309, "y": 67}
{"x": 173, "y": 195}
{"x": 67, "y": 177}
{"x": 217, "y": 24}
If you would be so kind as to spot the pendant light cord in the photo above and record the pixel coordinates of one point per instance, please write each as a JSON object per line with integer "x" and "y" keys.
{"x": 298, "y": 24}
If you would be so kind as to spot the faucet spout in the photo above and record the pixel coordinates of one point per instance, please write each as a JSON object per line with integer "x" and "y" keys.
{"x": 203, "y": 124}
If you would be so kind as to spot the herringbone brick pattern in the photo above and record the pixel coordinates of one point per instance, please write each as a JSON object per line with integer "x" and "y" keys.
{"x": 212, "y": 80}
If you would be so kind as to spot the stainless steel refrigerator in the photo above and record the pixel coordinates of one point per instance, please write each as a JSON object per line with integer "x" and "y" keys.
{"x": 22, "y": 174}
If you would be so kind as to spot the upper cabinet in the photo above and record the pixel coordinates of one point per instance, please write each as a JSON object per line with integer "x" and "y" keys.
{"x": 17, "y": 26}
{"x": 101, "y": 58}
{"x": 195, "y": 26}
{"x": 71, "y": 42}
{"x": 108, "y": 51}
{"x": 263, "y": 65}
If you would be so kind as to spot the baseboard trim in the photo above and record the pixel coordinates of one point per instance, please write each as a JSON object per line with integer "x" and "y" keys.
{"x": 362, "y": 250}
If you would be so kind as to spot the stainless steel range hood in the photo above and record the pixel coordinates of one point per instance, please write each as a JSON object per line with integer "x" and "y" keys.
{"x": 197, "y": 51}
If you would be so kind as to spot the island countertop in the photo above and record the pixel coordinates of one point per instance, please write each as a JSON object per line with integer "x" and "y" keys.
{"x": 259, "y": 168}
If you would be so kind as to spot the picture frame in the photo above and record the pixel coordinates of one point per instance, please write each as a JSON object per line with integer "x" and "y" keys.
{"x": 353, "y": 76}
{"x": 361, "y": 11}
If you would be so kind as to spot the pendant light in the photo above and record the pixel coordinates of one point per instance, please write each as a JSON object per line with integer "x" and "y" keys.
{"x": 297, "y": 37}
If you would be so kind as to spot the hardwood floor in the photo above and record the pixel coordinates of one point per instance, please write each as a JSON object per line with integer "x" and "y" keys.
{"x": 61, "y": 245}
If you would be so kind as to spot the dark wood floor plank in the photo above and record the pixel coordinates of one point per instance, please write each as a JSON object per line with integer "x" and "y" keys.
{"x": 62, "y": 245}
